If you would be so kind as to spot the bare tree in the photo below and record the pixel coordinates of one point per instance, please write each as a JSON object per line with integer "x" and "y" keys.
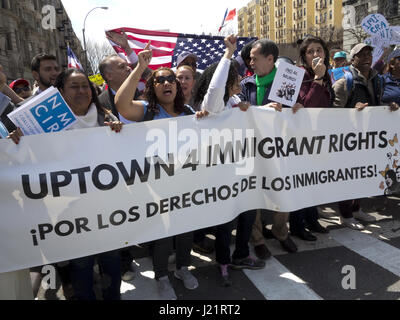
{"x": 358, "y": 33}
{"x": 97, "y": 51}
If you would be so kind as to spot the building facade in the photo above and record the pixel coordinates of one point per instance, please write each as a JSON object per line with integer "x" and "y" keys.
{"x": 249, "y": 20}
{"x": 23, "y": 35}
{"x": 356, "y": 10}
{"x": 286, "y": 21}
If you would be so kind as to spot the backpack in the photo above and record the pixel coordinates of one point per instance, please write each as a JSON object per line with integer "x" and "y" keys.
{"x": 150, "y": 114}
{"x": 350, "y": 85}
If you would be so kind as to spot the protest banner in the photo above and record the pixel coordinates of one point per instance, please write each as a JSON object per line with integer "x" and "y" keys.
{"x": 287, "y": 82}
{"x": 63, "y": 195}
{"x": 47, "y": 112}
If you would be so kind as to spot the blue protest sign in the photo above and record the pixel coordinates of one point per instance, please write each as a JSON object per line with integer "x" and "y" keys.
{"x": 53, "y": 114}
{"x": 47, "y": 112}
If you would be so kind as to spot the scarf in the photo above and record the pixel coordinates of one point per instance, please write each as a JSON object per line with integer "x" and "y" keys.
{"x": 89, "y": 120}
{"x": 262, "y": 83}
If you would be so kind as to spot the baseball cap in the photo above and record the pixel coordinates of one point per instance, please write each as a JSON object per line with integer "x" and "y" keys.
{"x": 394, "y": 54}
{"x": 182, "y": 56}
{"x": 340, "y": 54}
{"x": 357, "y": 48}
{"x": 17, "y": 82}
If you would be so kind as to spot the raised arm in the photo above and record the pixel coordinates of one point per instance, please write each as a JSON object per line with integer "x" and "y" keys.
{"x": 5, "y": 89}
{"x": 126, "y": 106}
{"x": 121, "y": 39}
{"x": 214, "y": 99}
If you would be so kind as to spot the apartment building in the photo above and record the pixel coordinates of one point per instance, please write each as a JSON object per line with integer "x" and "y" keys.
{"x": 249, "y": 20}
{"x": 286, "y": 21}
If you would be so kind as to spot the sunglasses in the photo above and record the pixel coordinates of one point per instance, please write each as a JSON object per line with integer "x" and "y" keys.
{"x": 19, "y": 90}
{"x": 161, "y": 79}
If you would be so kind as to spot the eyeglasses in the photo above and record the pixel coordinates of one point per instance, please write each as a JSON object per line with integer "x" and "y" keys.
{"x": 161, "y": 79}
{"x": 19, "y": 90}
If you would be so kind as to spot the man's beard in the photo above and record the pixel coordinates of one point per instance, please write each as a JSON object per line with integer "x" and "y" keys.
{"x": 44, "y": 83}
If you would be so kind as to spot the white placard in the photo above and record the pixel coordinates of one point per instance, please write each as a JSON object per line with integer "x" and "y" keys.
{"x": 286, "y": 86}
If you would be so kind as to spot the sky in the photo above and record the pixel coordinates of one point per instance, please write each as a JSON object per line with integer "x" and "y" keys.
{"x": 181, "y": 16}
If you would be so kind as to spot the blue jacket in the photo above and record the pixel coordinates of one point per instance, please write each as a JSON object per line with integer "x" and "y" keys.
{"x": 391, "y": 92}
{"x": 249, "y": 91}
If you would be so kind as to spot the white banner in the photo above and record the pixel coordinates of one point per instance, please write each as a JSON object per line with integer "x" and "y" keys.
{"x": 80, "y": 192}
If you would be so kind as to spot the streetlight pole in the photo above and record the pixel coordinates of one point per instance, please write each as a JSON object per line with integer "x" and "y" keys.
{"x": 83, "y": 33}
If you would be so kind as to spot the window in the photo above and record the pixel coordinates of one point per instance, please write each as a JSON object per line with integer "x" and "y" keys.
{"x": 16, "y": 39}
{"x": 330, "y": 14}
{"x": 361, "y": 12}
{"x": 304, "y": 11}
{"x": 388, "y": 8}
{"x": 5, "y": 4}
{"x": 8, "y": 42}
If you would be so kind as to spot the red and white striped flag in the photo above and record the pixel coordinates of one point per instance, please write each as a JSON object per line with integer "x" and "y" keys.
{"x": 73, "y": 61}
{"x": 229, "y": 16}
{"x": 167, "y": 46}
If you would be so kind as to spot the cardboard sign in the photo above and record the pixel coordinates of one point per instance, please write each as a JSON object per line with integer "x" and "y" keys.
{"x": 97, "y": 79}
{"x": 286, "y": 86}
{"x": 47, "y": 112}
{"x": 376, "y": 25}
{"x": 382, "y": 34}
{"x": 337, "y": 73}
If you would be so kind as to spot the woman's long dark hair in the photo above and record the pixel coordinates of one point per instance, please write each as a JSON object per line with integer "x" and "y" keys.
{"x": 63, "y": 77}
{"x": 205, "y": 79}
{"x": 179, "y": 102}
{"x": 303, "y": 50}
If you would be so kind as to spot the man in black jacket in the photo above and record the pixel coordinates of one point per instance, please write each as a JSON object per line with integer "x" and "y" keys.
{"x": 360, "y": 88}
{"x": 114, "y": 71}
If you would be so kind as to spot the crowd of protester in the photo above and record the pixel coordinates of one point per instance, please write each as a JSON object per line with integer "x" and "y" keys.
{"x": 231, "y": 83}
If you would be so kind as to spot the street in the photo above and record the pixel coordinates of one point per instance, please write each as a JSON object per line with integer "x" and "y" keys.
{"x": 342, "y": 265}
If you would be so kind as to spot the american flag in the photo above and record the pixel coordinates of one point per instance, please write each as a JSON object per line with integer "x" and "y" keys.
{"x": 73, "y": 61}
{"x": 167, "y": 46}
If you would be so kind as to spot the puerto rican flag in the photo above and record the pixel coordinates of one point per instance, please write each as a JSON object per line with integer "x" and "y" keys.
{"x": 167, "y": 46}
{"x": 73, "y": 61}
{"x": 229, "y": 16}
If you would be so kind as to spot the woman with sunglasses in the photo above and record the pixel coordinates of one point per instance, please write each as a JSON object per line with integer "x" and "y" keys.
{"x": 164, "y": 99}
